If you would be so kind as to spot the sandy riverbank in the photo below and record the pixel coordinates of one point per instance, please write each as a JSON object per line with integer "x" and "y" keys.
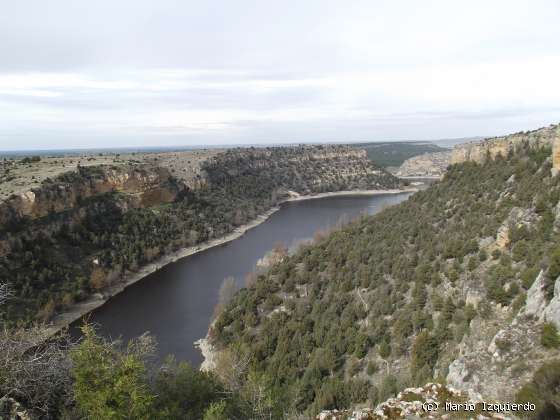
{"x": 95, "y": 301}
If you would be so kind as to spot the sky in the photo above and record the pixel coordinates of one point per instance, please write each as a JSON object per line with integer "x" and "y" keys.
{"x": 105, "y": 73}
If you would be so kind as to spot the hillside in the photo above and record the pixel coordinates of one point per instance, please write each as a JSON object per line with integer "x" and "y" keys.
{"x": 460, "y": 284}
{"x": 81, "y": 231}
{"x": 479, "y": 151}
{"x": 393, "y": 154}
{"x": 434, "y": 164}
{"x": 427, "y": 165}
{"x": 20, "y": 174}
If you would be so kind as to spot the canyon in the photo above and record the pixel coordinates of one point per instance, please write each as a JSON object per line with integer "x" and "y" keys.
{"x": 81, "y": 231}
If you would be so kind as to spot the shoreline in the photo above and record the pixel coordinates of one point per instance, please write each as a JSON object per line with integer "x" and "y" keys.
{"x": 79, "y": 310}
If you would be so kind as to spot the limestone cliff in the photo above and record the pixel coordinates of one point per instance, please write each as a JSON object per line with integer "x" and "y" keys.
{"x": 148, "y": 184}
{"x": 492, "y": 147}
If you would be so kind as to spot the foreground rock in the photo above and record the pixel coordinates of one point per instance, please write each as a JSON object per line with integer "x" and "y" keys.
{"x": 432, "y": 401}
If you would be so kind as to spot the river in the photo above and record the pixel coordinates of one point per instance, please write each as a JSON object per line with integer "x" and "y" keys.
{"x": 176, "y": 303}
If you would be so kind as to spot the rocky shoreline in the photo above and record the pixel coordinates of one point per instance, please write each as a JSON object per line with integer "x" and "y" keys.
{"x": 78, "y": 310}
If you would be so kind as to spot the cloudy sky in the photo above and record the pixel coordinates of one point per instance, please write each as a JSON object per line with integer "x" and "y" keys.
{"x": 109, "y": 73}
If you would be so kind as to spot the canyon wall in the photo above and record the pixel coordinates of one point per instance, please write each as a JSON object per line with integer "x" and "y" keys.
{"x": 492, "y": 147}
{"x": 147, "y": 185}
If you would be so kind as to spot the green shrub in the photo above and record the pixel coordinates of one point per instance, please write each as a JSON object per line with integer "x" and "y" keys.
{"x": 549, "y": 336}
{"x": 388, "y": 387}
{"x": 216, "y": 411}
{"x": 384, "y": 349}
{"x": 424, "y": 352}
{"x": 372, "y": 368}
{"x": 528, "y": 277}
{"x": 553, "y": 272}
{"x": 543, "y": 391}
{"x": 109, "y": 383}
{"x": 503, "y": 345}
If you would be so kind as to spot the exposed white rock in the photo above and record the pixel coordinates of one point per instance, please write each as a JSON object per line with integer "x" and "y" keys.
{"x": 473, "y": 298}
{"x": 411, "y": 404}
{"x": 517, "y": 217}
{"x": 552, "y": 312}
{"x": 486, "y": 242}
{"x": 536, "y": 300}
{"x": 557, "y": 217}
{"x": 208, "y": 353}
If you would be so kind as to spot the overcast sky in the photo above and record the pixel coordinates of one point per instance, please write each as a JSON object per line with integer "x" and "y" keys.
{"x": 109, "y": 73}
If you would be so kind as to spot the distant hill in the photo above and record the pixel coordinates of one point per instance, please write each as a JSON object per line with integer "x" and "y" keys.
{"x": 450, "y": 143}
{"x": 393, "y": 154}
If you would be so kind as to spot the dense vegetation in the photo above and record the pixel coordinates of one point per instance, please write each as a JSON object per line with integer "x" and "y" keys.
{"x": 376, "y": 306}
{"x": 50, "y": 262}
{"x": 380, "y": 304}
{"x": 101, "y": 379}
{"x": 393, "y": 154}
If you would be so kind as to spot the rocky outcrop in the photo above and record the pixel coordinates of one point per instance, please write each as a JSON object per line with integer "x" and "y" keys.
{"x": 552, "y": 311}
{"x": 148, "y": 184}
{"x": 435, "y": 164}
{"x": 501, "y": 354}
{"x": 537, "y": 305}
{"x": 493, "y": 147}
{"x": 516, "y": 219}
{"x": 536, "y": 300}
{"x": 427, "y": 165}
{"x": 433, "y": 400}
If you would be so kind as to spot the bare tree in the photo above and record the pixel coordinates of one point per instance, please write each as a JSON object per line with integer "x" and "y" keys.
{"x": 250, "y": 279}
{"x": 33, "y": 371}
{"x": 258, "y": 394}
{"x": 232, "y": 366}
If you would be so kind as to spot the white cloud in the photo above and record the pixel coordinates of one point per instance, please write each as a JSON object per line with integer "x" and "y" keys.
{"x": 180, "y": 72}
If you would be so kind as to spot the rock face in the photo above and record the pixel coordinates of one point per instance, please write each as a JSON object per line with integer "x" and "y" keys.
{"x": 536, "y": 300}
{"x": 435, "y": 164}
{"x": 556, "y": 154}
{"x": 148, "y": 184}
{"x": 492, "y": 147}
{"x": 500, "y": 355}
{"x": 517, "y": 218}
{"x": 536, "y": 304}
{"x": 433, "y": 400}
{"x": 426, "y": 165}
{"x": 552, "y": 312}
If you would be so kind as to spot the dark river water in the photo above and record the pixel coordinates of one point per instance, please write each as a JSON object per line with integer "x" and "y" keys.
{"x": 176, "y": 303}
